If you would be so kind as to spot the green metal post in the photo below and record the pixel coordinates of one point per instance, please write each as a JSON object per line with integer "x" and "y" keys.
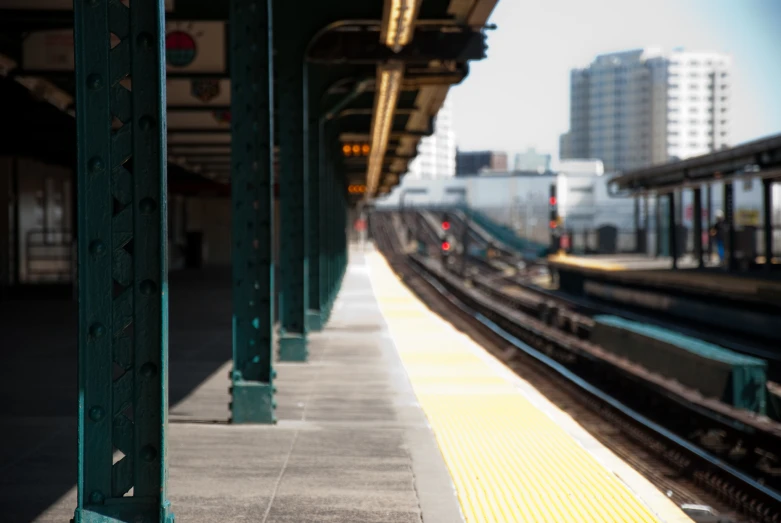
{"x": 252, "y": 187}
{"x": 335, "y": 236}
{"x": 337, "y": 241}
{"x": 329, "y": 234}
{"x": 343, "y": 239}
{"x": 294, "y": 167}
{"x": 324, "y": 170}
{"x": 123, "y": 294}
{"x": 314, "y": 315}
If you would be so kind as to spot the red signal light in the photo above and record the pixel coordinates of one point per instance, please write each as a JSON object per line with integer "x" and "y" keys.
{"x": 553, "y": 224}
{"x": 552, "y": 200}
{"x": 445, "y": 226}
{"x": 445, "y": 246}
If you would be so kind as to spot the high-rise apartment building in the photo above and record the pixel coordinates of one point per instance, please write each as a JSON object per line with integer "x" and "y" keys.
{"x": 637, "y": 108}
{"x": 437, "y": 153}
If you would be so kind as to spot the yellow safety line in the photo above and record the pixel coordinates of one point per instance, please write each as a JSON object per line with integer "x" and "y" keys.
{"x": 577, "y": 261}
{"x": 509, "y": 461}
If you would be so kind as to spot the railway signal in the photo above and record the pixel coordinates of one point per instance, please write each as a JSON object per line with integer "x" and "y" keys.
{"x": 445, "y": 222}
{"x": 553, "y": 212}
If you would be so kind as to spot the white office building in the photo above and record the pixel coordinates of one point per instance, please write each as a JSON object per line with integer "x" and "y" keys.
{"x": 436, "y": 157}
{"x": 641, "y": 107}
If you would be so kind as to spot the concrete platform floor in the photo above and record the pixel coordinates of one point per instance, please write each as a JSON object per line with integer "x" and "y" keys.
{"x": 351, "y": 445}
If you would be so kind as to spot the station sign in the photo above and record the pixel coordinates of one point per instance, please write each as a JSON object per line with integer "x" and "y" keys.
{"x": 191, "y": 47}
{"x": 747, "y": 217}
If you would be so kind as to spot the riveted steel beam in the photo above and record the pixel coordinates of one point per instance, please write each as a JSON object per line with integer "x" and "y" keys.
{"x": 252, "y": 186}
{"x": 123, "y": 295}
{"x": 294, "y": 168}
{"x": 314, "y": 315}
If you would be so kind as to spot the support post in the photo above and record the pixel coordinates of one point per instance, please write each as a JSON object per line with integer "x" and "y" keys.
{"x": 252, "y": 188}
{"x": 729, "y": 217}
{"x": 697, "y": 220}
{"x": 646, "y": 222}
{"x": 638, "y": 241}
{"x": 658, "y": 210}
{"x": 325, "y": 216}
{"x": 123, "y": 294}
{"x": 673, "y": 240}
{"x": 314, "y": 314}
{"x": 294, "y": 167}
{"x": 767, "y": 218}
{"x": 465, "y": 244}
{"x": 332, "y": 239}
{"x": 709, "y": 216}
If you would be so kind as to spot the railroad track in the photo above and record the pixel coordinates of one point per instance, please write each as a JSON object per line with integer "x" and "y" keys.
{"x": 574, "y": 309}
{"x": 682, "y": 442}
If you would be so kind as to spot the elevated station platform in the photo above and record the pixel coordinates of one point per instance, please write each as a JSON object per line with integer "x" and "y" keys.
{"x": 513, "y": 456}
{"x": 351, "y": 443}
{"x": 755, "y": 287}
{"x": 396, "y": 417}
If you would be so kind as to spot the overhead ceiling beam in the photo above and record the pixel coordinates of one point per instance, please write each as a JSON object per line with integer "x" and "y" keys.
{"x": 429, "y": 44}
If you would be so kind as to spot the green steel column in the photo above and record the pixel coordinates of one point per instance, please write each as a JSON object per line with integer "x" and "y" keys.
{"x": 323, "y": 224}
{"x": 293, "y": 129}
{"x": 330, "y": 233}
{"x": 339, "y": 208}
{"x": 123, "y": 295}
{"x": 314, "y": 316}
{"x": 343, "y": 240}
{"x": 252, "y": 187}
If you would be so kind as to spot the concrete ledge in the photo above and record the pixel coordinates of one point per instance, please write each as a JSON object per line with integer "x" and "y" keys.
{"x": 293, "y": 347}
{"x": 253, "y": 402}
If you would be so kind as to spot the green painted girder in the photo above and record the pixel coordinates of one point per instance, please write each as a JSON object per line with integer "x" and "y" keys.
{"x": 295, "y": 29}
{"x": 319, "y": 81}
{"x": 252, "y": 186}
{"x": 314, "y": 316}
{"x": 294, "y": 170}
{"x": 330, "y": 215}
{"x": 326, "y": 204}
{"x": 123, "y": 294}
{"x": 321, "y": 130}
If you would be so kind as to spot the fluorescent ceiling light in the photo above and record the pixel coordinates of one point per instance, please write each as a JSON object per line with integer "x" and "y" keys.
{"x": 401, "y": 19}
{"x": 389, "y": 79}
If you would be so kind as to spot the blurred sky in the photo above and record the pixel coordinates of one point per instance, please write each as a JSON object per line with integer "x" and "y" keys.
{"x": 519, "y": 96}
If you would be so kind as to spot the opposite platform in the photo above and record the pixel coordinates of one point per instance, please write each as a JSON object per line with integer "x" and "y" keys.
{"x": 351, "y": 445}
{"x": 512, "y": 454}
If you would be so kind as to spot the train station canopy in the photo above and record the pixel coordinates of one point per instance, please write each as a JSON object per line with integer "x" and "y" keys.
{"x": 760, "y": 158}
{"x": 381, "y": 68}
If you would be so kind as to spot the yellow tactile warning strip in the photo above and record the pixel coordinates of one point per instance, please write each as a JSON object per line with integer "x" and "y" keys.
{"x": 509, "y": 460}
{"x": 585, "y": 262}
